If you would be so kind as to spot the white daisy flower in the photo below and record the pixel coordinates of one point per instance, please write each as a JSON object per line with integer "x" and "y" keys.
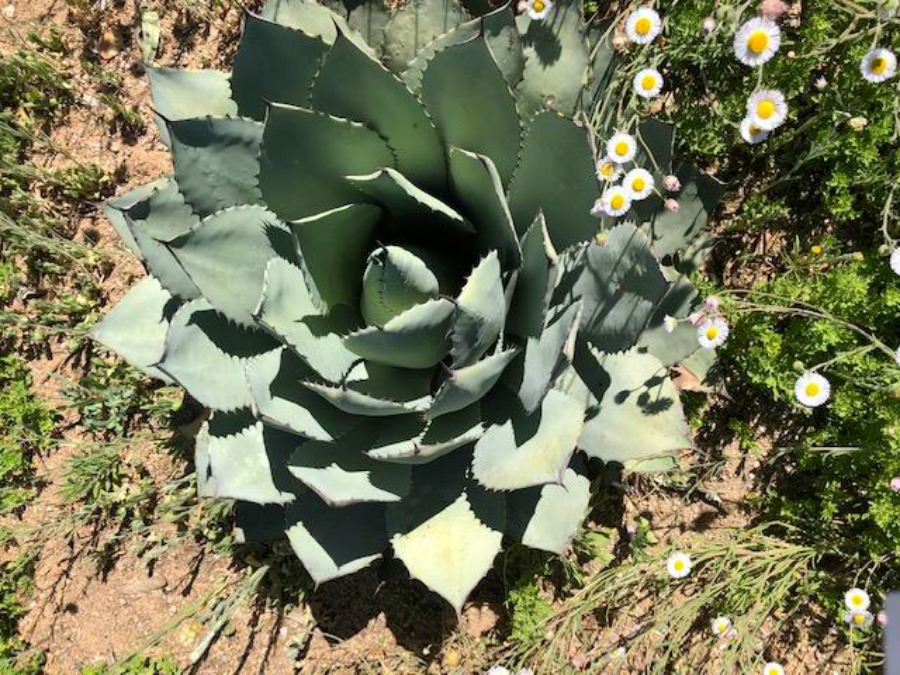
{"x": 720, "y": 625}
{"x": 859, "y": 619}
{"x": 751, "y": 133}
{"x": 678, "y": 565}
{"x": 621, "y": 148}
{"x": 773, "y": 668}
{"x": 538, "y": 9}
{"x": 643, "y": 25}
{"x": 616, "y": 200}
{"x": 640, "y": 182}
{"x": 857, "y": 600}
{"x": 878, "y": 65}
{"x": 670, "y": 323}
{"x": 895, "y": 260}
{"x": 757, "y": 41}
{"x": 812, "y": 390}
{"x": 712, "y": 333}
{"x": 648, "y": 83}
{"x": 767, "y": 109}
{"x": 608, "y": 170}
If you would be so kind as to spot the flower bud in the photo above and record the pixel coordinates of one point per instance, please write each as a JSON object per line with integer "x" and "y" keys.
{"x": 672, "y": 205}
{"x": 671, "y": 183}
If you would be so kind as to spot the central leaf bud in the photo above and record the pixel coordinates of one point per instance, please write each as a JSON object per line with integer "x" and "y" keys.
{"x": 396, "y": 279}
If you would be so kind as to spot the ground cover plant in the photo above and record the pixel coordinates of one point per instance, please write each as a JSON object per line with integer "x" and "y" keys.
{"x": 768, "y": 542}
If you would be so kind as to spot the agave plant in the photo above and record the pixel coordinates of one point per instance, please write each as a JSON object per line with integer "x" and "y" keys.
{"x": 375, "y": 265}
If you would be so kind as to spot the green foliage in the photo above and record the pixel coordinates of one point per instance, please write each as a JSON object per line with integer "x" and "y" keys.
{"x": 846, "y": 452}
{"x": 138, "y": 665}
{"x": 425, "y": 333}
{"x": 26, "y": 429}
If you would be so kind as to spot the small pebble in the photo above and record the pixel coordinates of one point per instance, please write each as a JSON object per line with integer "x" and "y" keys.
{"x": 9, "y": 12}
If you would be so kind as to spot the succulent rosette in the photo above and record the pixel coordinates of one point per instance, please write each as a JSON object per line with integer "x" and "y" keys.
{"x": 375, "y": 265}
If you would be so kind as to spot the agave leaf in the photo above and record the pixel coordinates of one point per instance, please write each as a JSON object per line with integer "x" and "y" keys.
{"x": 305, "y": 156}
{"x": 545, "y": 358}
{"x": 675, "y": 231}
{"x": 259, "y": 66}
{"x": 468, "y": 385}
{"x": 410, "y": 207}
{"x": 160, "y": 262}
{"x": 547, "y": 517}
{"x": 556, "y": 59}
{"x": 481, "y": 310}
{"x": 312, "y": 19}
{"x": 250, "y": 463}
{"x": 226, "y": 256}
{"x": 335, "y": 272}
{"x": 333, "y": 542}
{"x": 414, "y": 25}
{"x": 528, "y": 449}
{"x": 356, "y": 402}
{"x": 498, "y": 29}
{"x": 370, "y": 19}
{"x": 216, "y": 162}
{"x": 383, "y": 102}
{"x": 116, "y": 208}
{"x": 639, "y": 417}
{"x": 136, "y": 328}
{"x": 341, "y": 474}
{"x": 448, "y": 530}
{"x": 470, "y": 102}
{"x": 480, "y": 189}
{"x": 180, "y": 94}
{"x": 163, "y": 213}
{"x": 671, "y": 348}
{"x": 207, "y": 355}
{"x": 258, "y": 522}
{"x": 274, "y": 381}
{"x": 395, "y": 280}
{"x": 602, "y": 68}
{"x": 556, "y": 176}
{"x": 656, "y": 140}
{"x": 417, "y": 338}
{"x": 287, "y": 310}
{"x": 409, "y": 440}
{"x": 534, "y": 284}
{"x": 620, "y": 284}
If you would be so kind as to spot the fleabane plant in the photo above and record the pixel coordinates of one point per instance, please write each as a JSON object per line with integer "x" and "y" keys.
{"x": 375, "y": 264}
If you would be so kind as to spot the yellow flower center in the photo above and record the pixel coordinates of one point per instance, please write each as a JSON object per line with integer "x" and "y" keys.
{"x": 817, "y": 250}
{"x": 856, "y": 600}
{"x": 813, "y": 389}
{"x": 638, "y": 184}
{"x": 642, "y": 26}
{"x": 859, "y": 618}
{"x": 879, "y": 65}
{"x": 722, "y": 626}
{"x": 621, "y": 148}
{"x": 648, "y": 82}
{"x": 712, "y": 333}
{"x": 758, "y": 41}
{"x": 679, "y": 565}
{"x": 539, "y": 6}
{"x": 771, "y": 671}
{"x": 765, "y": 109}
{"x": 606, "y": 170}
{"x": 617, "y": 202}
